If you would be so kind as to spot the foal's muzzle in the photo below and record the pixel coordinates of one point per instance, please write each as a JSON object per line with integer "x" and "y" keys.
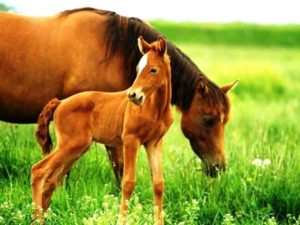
{"x": 137, "y": 97}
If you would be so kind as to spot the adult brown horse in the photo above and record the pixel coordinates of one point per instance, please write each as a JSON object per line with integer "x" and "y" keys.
{"x": 88, "y": 49}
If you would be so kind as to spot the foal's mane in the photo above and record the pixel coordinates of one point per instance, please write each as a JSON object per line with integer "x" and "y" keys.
{"x": 121, "y": 38}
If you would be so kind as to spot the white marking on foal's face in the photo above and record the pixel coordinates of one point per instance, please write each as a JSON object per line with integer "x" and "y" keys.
{"x": 142, "y": 64}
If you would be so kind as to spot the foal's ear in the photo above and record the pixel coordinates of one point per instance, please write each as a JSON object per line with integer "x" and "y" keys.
{"x": 230, "y": 86}
{"x": 144, "y": 46}
{"x": 162, "y": 45}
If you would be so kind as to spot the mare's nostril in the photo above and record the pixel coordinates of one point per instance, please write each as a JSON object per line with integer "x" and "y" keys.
{"x": 219, "y": 167}
{"x": 215, "y": 170}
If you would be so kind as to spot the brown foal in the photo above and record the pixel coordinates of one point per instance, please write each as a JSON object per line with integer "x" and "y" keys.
{"x": 111, "y": 119}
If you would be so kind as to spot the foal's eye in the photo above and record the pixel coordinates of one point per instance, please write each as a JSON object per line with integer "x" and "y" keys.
{"x": 208, "y": 121}
{"x": 153, "y": 70}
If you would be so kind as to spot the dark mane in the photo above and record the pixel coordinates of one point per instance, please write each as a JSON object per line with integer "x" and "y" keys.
{"x": 99, "y": 11}
{"x": 121, "y": 38}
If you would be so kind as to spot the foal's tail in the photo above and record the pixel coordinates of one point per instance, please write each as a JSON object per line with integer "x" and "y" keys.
{"x": 42, "y": 133}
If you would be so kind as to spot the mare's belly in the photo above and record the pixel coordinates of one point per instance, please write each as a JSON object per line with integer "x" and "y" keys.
{"x": 21, "y": 102}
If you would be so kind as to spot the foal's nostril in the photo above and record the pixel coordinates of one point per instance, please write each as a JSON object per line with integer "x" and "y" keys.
{"x": 136, "y": 97}
{"x": 132, "y": 95}
{"x": 141, "y": 98}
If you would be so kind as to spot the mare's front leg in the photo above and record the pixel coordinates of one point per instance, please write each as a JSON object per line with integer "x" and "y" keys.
{"x": 115, "y": 155}
{"x": 154, "y": 153}
{"x": 130, "y": 148}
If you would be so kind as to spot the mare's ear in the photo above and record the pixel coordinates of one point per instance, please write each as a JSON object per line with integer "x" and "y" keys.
{"x": 162, "y": 45}
{"x": 201, "y": 87}
{"x": 230, "y": 86}
{"x": 143, "y": 45}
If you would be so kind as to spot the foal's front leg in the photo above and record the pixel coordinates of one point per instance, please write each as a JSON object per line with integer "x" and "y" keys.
{"x": 154, "y": 153}
{"x": 130, "y": 145}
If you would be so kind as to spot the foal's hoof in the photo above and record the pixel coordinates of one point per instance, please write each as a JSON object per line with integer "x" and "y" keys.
{"x": 159, "y": 222}
{"x": 37, "y": 222}
{"x": 121, "y": 220}
{"x": 37, "y": 219}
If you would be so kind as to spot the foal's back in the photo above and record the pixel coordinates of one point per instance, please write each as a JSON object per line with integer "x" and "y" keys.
{"x": 96, "y": 115}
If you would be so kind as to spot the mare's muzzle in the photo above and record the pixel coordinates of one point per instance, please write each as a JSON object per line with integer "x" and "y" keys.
{"x": 213, "y": 166}
{"x": 214, "y": 170}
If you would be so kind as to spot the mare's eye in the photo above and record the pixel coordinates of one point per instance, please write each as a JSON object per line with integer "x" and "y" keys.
{"x": 208, "y": 121}
{"x": 153, "y": 70}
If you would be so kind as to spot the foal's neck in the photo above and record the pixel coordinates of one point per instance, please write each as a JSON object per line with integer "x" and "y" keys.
{"x": 162, "y": 96}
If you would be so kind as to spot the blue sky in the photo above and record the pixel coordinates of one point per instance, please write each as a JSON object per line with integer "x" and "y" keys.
{"x": 257, "y": 11}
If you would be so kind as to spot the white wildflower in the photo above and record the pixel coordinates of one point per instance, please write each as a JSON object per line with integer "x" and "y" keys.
{"x": 19, "y": 215}
{"x": 272, "y": 221}
{"x": 261, "y": 163}
{"x": 266, "y": 163}
{"x": 228, "y": 219}
{"x": 194, "y": 202}
{"x": 6, "y": 205}
{"x": 257, "y": 162}
{"x": 105, "y": 205}
{"x": 89, "y": 221}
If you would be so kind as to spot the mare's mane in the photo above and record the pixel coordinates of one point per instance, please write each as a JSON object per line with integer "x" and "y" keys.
{"x": 122, "y": 34}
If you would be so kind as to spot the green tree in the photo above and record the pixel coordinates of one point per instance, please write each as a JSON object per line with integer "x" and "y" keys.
{"x": 4, "y": 7}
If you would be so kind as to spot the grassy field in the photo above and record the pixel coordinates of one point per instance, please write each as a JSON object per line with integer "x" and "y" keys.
{"x": 264, "y": 125}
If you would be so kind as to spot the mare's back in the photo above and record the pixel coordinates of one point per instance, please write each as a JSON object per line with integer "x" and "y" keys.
{"x": 46, "y": 57}
{"x": 25, "y": 38}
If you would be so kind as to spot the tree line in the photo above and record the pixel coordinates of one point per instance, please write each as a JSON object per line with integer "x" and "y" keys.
{"x": 4, "y": 7}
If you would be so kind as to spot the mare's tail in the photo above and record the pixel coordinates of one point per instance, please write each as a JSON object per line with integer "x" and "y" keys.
{"x": 42, "y": 133}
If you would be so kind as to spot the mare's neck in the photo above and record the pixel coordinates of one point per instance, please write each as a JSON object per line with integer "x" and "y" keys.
{"x": 185, "y": 77}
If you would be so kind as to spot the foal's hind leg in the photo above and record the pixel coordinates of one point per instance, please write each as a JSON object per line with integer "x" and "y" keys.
{"x": 49, "y": 172}
{"x": 115, "y": 155}
{"x": 154, "y": 153}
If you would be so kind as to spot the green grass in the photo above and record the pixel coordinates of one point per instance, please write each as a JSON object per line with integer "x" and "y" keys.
{"x": 264, "y": 124}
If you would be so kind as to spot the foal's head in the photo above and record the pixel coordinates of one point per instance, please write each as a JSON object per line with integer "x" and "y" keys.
{"x": 153, "y": 70}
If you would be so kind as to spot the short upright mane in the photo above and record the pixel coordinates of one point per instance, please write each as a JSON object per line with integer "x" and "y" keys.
{"x": 121, "y": 38}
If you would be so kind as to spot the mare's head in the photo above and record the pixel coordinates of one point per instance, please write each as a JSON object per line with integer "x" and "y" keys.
{"x": 153, "y": 70}
{"x": 204, "y": 122}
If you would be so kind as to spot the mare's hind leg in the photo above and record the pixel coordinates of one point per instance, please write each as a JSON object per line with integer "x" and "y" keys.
{"x": 115, "y": 155}
{"x": 154, "y": 153}
{"x": 49, "y": 172}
